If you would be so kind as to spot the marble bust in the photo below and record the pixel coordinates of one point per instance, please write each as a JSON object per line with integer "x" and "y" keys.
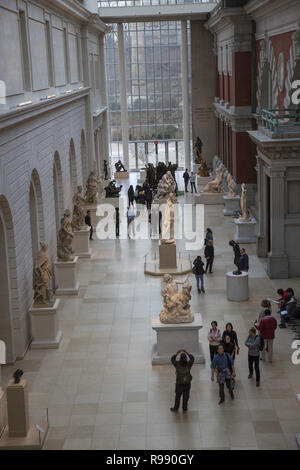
{"x": 176, "y": 303}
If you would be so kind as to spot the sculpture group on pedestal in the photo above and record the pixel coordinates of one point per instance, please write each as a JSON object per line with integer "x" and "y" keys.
{"x": 78, "y": 219}
{"x": 176, "y": 303}
{"x": 215, "y": 186}
{"x": 65, "y": 237}
{"x": 112, "y": 190}
{"x": 166, "y": 189}
{"x": 119, "y": 166}
{"x": 42, "y": 274}
{"x": 155, "y": 174}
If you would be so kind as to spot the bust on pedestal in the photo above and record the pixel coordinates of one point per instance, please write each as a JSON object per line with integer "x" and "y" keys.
{"x": 66, "y": 264}
{"x": 44, "y": 318}
{"x": 177, "y": 327}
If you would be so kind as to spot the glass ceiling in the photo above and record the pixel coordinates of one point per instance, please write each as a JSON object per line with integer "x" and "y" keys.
{"x": 131, "y": 3}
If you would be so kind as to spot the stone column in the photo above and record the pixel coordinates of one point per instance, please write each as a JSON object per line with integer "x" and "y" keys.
{"x": 123, "y": 96}
{"x": 185, "y": 94}
{"x": 262, "y": 242}
{"x": 277, "y": 258}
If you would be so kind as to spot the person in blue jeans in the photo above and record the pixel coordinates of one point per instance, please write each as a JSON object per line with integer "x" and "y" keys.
{"x": 253, "y": 343}
{"x": 198, "y": 270}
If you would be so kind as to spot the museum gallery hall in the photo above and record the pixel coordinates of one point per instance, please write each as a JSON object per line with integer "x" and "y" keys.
{"x": 149, "y": 225}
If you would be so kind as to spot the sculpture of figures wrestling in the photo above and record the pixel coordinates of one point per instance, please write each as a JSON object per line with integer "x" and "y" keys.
{"x": 119, "y": 166}
{"x": 198, "y": 148}
{"x": 91, "y": 189}
{"x": 245, "y": 217}
{"x": 165, "y": 188}
{"x": 42, "y": 274}
{"x": 231, "y": 193}
{"x": 78, "y": 222}
{"x": 176, "y": 303}
{"x": 168, "y": 222}
{"x": 215, "y": 186}
{"x": 65, "y": 237}
{"x": 112, "y": 190}
{"x": 237, "y": 255}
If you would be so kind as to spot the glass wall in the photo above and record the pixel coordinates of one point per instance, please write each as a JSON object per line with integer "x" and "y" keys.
{"x": 154, "y": 97}
{"x": 131, "y": 3}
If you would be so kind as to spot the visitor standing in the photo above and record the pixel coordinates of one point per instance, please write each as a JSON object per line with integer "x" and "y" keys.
{"x": 253, "y": 343}
{"x": 193, "y": 182}
{"x": 266, "y": 305}
{"x": 267, "y": 327}
{"x": 228, "y": 346}
{"x": 229, "y": 331}
{"x": 222, "y": 364}
{"x": 130, "y": 195}
{"x": 117, "y": 222}
{"x": 208, "y": 236}
{"x": 214, "y": 338}
{"x": 130, "y": 221}
{"x": 198, "y": 270}
{"x": 186, "y": 178}
{"x": 183, "y": 378}
{"x": 209, "y": 253}
{"x": 89, "y": 223}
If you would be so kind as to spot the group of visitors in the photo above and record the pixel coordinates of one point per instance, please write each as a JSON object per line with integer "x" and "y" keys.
{"x": 189, "y": 178}
{"x": 198, "y": 264}
{"x": 141, "y": 195}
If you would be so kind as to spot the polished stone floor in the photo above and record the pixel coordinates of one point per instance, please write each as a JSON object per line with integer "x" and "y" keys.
{"x": 101, "y": 389}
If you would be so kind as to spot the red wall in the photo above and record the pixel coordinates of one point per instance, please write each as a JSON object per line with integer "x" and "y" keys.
{"x": 243, "y": 158}
{"x": 241, "y": 79}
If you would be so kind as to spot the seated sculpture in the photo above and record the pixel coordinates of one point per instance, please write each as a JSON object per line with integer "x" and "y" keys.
{"x": 119, "y": 166}
{"x": 112, "y": 190}
{"x": 176, "y": 303}
{"x": 215, "y": 186}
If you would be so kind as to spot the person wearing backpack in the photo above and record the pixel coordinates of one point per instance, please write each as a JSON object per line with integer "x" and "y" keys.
{"x": 254, "y": 344}
{"x": 198, "y": 270}
{"x": 183, "y": 378}
{"x": 223, "y": 364}
{"x": 267, "y": 327}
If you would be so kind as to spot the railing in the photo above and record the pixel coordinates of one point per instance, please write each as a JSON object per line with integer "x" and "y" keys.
{"x": 274, "y": 119}
{"x": 132, "y": 3}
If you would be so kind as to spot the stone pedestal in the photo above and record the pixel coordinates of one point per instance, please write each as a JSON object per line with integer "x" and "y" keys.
{"x": 114, "y": 201}
{"x": 66, "y": 277}
{"x": 167, "y": 256}
{"x": 245, "y": 232}
{"x": 237, "y": 287}
{"x": 209, "y": 198}
{"x": 44, "y": 327}
{"x": 121, "y": 174}
{"x": 81, "y": 243}
{"x": 232, "y": 205}
{"x": 203, "y": 180}
{"x": 93, "y": 209}
{"x": 172, "y": 337}
{"x": 17, "y": 408}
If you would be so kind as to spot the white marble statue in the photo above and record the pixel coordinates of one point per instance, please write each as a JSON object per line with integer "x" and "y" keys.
{"x": 231, "y": 192}
{"x": 42, "y": 274}
{"x": 166, "y": 186}
{"x": 168, "y": 222}
{"x": 78, "y": 219}
{"x": 245, "y": 217}
{"x": 215, "y": 186}
{"x": 65, "y": 237}
{"x": 176, "y": 303}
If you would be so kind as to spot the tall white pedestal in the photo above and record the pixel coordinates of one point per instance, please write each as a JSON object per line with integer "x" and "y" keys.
{"x": 66, "y": 277}
{"x": 81, "y": 243}
{"x": 245, "y": 232}
{"x": 237, "y": 287}
{"x": 232, "y": 205}
{"x": 172, "y": 337}
{"x": 209, "y": 198}
{"x": 44, "y": 327}
{"x": 17, "y": 408}
{"x": 94, "y": 218}
{"x": 167, "y": 256}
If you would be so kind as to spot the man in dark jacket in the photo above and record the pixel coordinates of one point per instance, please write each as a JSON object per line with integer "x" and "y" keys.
{"x": 198, "y": 270}
{"x": 186, "y": 178}
{"x": 183, "y": 378}
{"x": 244, "y": 261}
{"x": 267, "y": 327}
{"x": 209, "y": 254}
{"x": 89, "y": 223}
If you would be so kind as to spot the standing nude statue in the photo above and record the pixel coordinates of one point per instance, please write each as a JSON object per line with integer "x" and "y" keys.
{"x": 231, "y": 193}
{"x": 245, "y": 217}
{"x": 78, "y": 219}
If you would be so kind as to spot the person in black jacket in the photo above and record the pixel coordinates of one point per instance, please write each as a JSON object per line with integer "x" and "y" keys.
{"x": 186, "y": 178}
{"x": 130, "y": 194}
{"x": 229, "y": 331}
{"x": 89, "y": 223}
{"x": 183, "y": 378}
{"x": 198, "y": 270}
{"x": 209, "y": 253}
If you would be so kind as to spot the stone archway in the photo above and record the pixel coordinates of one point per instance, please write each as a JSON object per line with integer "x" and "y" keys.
{"x": 73, "y": 168}
{"x": 58, "y": 190}
{"x": 84, "y": 161}
{"x": 36, "y": 212}
{"x": 267, "y": 55}
{"x": 8, "y": 280}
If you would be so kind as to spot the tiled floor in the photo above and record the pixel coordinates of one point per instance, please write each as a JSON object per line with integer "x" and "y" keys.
{"x": 101, "y": 389}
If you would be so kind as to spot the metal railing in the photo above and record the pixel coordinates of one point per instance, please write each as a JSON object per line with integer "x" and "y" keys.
{"x": 280, "y": 119}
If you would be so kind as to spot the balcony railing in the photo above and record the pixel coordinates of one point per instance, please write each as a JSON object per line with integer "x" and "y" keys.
{"x": 281, "y": 120}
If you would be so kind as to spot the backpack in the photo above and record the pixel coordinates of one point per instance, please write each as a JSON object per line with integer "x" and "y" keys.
{"x": 183, "y": 375}
{"x": 262, "y": 344}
